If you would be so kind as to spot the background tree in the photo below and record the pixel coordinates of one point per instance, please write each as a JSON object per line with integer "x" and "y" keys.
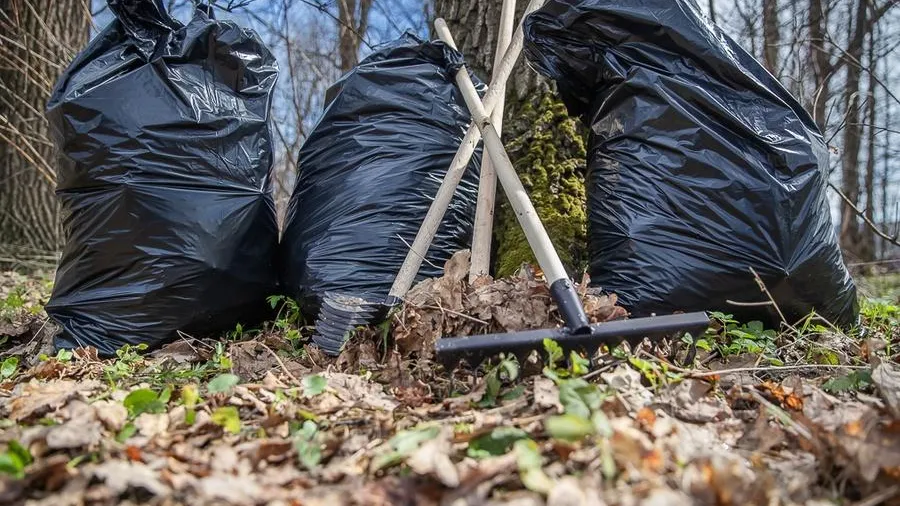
{"x": 838, "y": 57}
{"x": 547, "y": 147}
{"x": 38, "y": 38}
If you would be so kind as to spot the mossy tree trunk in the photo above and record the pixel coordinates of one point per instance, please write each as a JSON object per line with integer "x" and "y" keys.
{"x": 547, "y": 147}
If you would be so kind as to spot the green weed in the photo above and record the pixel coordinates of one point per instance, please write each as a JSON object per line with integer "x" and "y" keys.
{"x": 127, "y": 362}
{"x": 289, "y": 319}
{"x": 731, "y": 337}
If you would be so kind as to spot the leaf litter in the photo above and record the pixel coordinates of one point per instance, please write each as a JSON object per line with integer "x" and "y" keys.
{"x": 265, "y": 421}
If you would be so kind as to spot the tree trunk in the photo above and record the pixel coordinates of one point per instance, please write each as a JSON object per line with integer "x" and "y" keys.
{"x": 546, "y": 145}
{"x": 867, "y": 239}
{"x": 850, "y": 229}
{"x": 351, "y": 30}
{"x": 886, "y": 223}
{"x": 821, "y": 62}
{"x": 771, "y": 36}
{"x": 46, "y": 35}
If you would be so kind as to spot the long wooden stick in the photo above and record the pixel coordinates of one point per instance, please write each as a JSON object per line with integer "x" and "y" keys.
{"x": 444, "y": 195}
{"x": 487, "y": 187}
{"x": 535, "y": 232}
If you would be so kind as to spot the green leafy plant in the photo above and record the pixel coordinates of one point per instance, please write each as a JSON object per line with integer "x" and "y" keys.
{"x": 314, "y": 385}
{"x": 506, "y": 370}
{"x": 62, "y": 356}
{"x": 128, "y": 359}
{"x": 855, "y": 380}
{"x": 403, "y": 444}
{"x": 730, "y": 337}
{"x": 530, "y": 464}
{"x": 700, "y": 342}
{"x": 9, "y": 367}
{"x": 189, "y": 398}
{"x": 657, "y": 373}
{"x": 307, "y": 442}
{"x": 127, "y": 430}
{"x": 581, "y": 401}
{"x": 144, "y": 400}
{"x": 12, "y": 304}
{"x": 577, "y": 365}
{"x": 15, "y": 459}
{"x": 228, "y": 418}
{"x": 237, "y": 334}
{"x": 222, "y": 383}
{"x": 497, "y": 442}
{"x": 288, "y": 319}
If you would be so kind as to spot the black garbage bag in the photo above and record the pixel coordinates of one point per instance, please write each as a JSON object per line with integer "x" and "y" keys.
{"x": 164, "y": 180}
{"x": 701, "y": 165}
{"x": 367, "y": 174}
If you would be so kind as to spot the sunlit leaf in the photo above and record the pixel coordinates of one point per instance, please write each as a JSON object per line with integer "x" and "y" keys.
{"x": 8, "y": 367}
{"x": 554, "y": 352}
{"x": 569, "y": 427}
{"x": 143, "y": 400}
{"x": 228, "y": 418}
{"x": 497, "y": 442}
{"x": 528, "y": 458}
{"x": 314, "y": 385}
{"x": 222, "y": 383}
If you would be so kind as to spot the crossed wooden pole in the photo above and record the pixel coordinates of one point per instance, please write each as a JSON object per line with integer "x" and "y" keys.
{"x": 487, "y": 115}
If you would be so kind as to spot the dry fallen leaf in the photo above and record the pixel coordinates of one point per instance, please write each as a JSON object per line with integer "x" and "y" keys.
{"x": 566, "y": 492}
{"x": 151, "y": 425}
{"x": 78, "y": 433}
{"x": 886, "y": 377}
{"x": 546, "y": 394}
{"x": 38, "y": 398}
{"x": 112, "y": 414}
{"x": 121, "y": 476}
{"x": 433, "y": 458}
{"x": 689, "y": 401}
{"x": 230, "y": 489}
{"x": 355, "y": 389}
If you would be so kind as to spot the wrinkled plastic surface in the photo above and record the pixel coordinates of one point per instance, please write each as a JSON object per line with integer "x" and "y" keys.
{"x": 163, "y": 180}
{"x": 701, "y": 165}
{"x": 369, "y": 170}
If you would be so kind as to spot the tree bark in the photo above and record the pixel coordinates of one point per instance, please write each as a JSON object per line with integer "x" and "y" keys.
{"x": 867, "y": 239}
{"x": 821, "y": 62}
{"x": 771, "y": 36}
{"x": 351, "y": 30}
{"x": 546, "y": 145}
{"x": 850, "y": 229}
{"x": 46, "y": 35}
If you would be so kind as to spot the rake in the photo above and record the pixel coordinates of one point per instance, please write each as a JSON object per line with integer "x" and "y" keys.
{"x": 578, "y": 333}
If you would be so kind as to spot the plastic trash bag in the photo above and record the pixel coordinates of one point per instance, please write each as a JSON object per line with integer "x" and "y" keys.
{"x": 700, "y": 167}
{"x": 367, "y": 174}
{"x": 163, "y": 180}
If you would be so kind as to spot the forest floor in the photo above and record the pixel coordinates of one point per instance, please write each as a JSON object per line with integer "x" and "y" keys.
{"x": 803, "y": 415}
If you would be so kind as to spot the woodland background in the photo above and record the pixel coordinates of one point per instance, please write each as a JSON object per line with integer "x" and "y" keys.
{"x": 839, "y": 57}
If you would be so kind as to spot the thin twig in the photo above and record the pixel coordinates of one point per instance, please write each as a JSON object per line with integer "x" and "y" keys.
{"x": 891, "y": 239}
{"x": 782, "y": 415}
{"x": 467, "y": 317}
{"x": 765, "y": 290}
{"x": 422, "y": 256}
{"x": 280, "y": 363}
{"x": 721, "y": 372}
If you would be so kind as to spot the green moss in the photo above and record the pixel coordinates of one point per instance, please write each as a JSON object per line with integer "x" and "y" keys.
{"x": 548, "y": 152}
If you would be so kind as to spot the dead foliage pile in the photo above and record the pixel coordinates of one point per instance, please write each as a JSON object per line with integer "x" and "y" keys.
{"x": 450, "y": 306}
{"x": 264, "y": 419}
